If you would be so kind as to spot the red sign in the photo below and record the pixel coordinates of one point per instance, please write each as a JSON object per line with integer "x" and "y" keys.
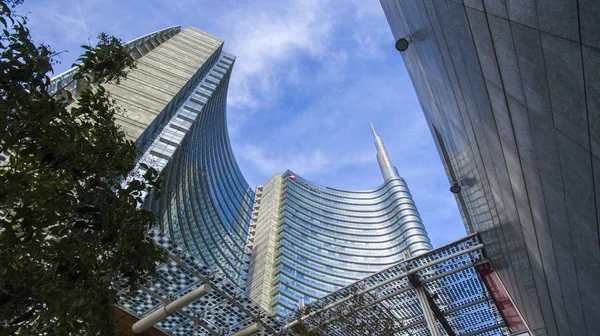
{"x": 292, "y": 177}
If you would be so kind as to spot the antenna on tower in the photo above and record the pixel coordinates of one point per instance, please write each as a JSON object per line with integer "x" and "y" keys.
{"x": 387, "y": 169}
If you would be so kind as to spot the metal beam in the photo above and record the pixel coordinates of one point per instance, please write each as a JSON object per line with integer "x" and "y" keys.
{"x": 163, "y": 312}
{"x": 476, "y": 302}
{"x": 428, "y": 307}
{"x": 438, "y": 314}
{"x": 192, "y": 318}
{"x": 446, "y": 258}
{"x": 455, "y": 270}
{"x": 427, "y": 312}
{"x": 250, "y": 330}
{"x": 482, "y": 330}
{"x": 410, "y": 325}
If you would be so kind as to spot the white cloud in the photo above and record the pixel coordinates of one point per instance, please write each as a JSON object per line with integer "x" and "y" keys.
{"x": 267, "y": 36}
{"x": 308, "y": 78}
{"x": 71, "y": 23}
{"x": 310, "y": 162}
{"x": 369, "y": 46}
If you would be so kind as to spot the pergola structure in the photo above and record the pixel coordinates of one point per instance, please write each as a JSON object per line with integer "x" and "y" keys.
{"x": 451, "y": 290}
{"x": 188, "y": 298}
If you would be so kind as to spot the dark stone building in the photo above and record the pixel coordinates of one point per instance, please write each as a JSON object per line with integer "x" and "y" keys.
{"x": 511, "y": 93}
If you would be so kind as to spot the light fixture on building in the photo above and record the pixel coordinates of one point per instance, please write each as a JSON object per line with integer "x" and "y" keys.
{"x": 403, "y": 43}
{"x": 455, "y": 188}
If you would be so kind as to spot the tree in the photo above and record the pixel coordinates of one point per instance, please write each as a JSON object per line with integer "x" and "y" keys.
{"x": 69, "y": 226}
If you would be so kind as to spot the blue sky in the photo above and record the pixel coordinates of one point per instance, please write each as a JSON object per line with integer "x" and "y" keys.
{"x": 309, "y": 77}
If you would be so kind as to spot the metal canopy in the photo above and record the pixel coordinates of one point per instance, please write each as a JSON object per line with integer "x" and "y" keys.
{"x": 455, "y": 299}
{"x": 445, "y": 281}
{"x": 223, "y": 311}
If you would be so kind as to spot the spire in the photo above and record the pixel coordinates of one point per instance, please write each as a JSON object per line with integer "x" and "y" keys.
{"x": 387, "y": 169}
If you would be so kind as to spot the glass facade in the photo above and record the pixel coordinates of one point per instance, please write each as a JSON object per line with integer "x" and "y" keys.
{"x": 205, "y": 203}
{"x": 510, "y": 92}
{"x": 331, "y": 238}
{"x": 174, "y": 105}
{"x": 322, "y": 239}
{"x": 175, "y": 109}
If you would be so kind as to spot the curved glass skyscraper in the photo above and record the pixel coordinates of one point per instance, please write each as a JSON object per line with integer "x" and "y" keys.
{"x": 290, "y": 241}
{"x": 205, "y": 202}
{"x": 174, "y": 103}
{"x": 309, "y": 240}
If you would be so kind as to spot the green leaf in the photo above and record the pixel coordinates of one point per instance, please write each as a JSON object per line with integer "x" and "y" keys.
{"x": 61, "y": 196}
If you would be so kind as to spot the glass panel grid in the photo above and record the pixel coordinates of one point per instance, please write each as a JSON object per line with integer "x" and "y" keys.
{"x": 225, "y": 309}
{"x": 449, "y": 277}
